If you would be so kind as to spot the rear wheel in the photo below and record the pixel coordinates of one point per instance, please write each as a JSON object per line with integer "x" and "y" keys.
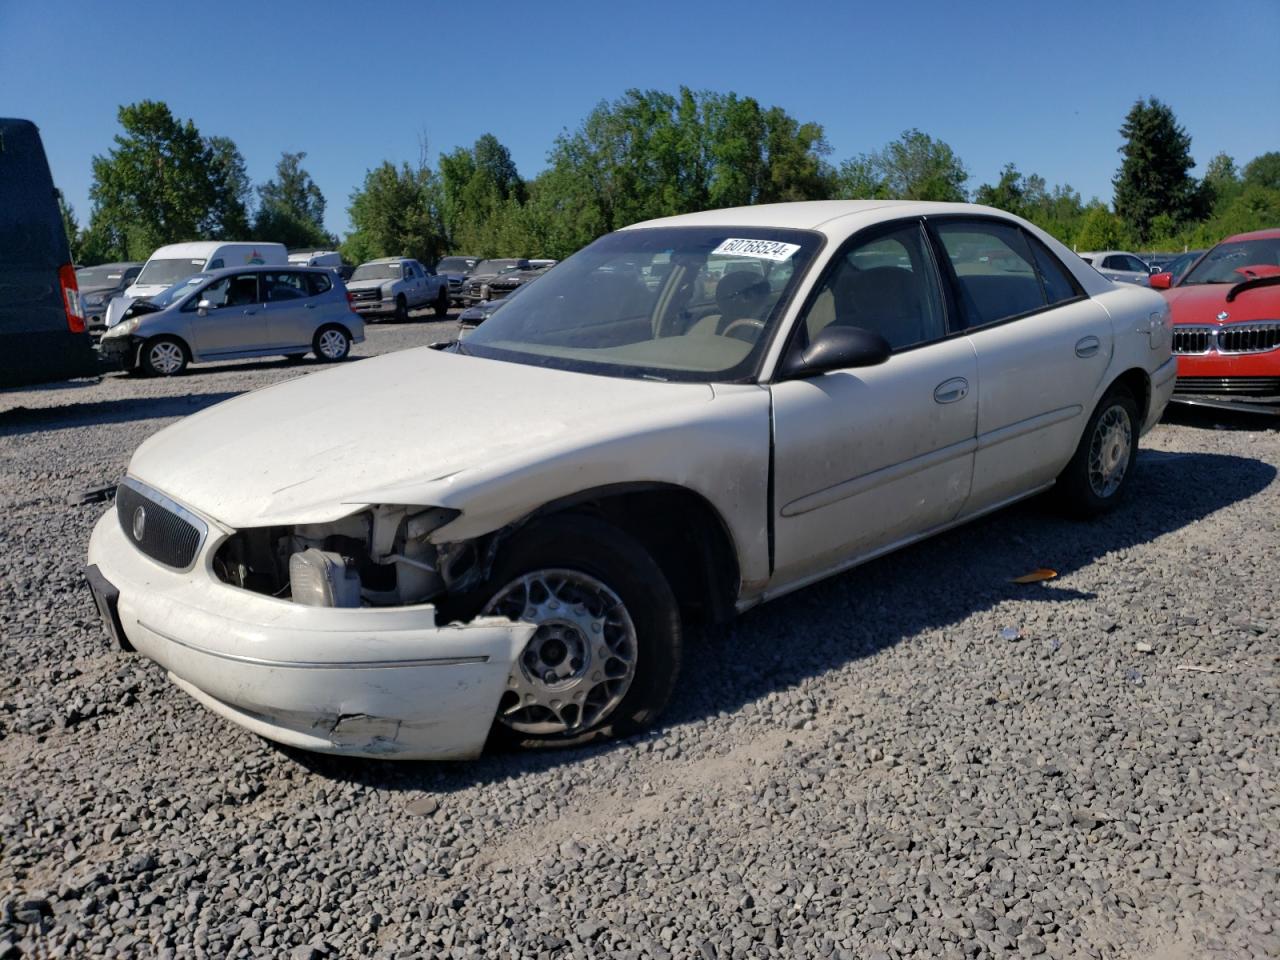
{"x": 442, "y": 302}
{"x": 1099, "y": 472}
{"x": 164, "y": 357}
{"x": 604, "y": 658}
{"x": 331, "y": 343}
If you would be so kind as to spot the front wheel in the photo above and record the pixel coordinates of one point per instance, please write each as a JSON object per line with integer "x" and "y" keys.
{"x": 606, "y": 653}
{"x": 331, "y": 344}
{"x": 1100, "y": 470}
{"x": 402, "y": 310}
{"x": 164, "y": 357}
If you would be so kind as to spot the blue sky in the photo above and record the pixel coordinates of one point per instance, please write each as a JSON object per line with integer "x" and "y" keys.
{"x": 1043, "y": 85}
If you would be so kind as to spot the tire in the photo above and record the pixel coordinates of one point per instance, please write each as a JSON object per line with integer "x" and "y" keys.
{"x": 402, "y": 310}
{"x": 442, "y": 304}
{"x": 593, "y": 575}
{"x": 331, "y": 343}
{"x": 164, "y": 357}
{"x": 1095, "y": 479}
{"x": 295, "y": 357}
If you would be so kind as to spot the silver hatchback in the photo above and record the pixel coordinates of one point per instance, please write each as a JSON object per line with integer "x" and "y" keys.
{"x": 237, "y": 312}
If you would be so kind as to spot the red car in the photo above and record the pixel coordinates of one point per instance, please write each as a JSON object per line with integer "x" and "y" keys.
{"x": 1226, "y": 324}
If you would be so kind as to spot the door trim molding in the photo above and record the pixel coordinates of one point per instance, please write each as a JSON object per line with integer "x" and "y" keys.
{"x": 1021, "y": 428}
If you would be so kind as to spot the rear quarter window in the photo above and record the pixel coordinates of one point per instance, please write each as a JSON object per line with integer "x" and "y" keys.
{"x": 319, "y": 283}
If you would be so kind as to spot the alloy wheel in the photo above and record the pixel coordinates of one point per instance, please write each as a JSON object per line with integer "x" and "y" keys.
{"x": 166, "y": 357}
{"x": 333, "y": 345}
{"x": 580, "y": 662}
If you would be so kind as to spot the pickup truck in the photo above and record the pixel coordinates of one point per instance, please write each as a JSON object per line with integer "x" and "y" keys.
{"x": 396, "y": 285}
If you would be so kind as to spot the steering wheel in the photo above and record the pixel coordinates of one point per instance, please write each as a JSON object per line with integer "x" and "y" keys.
{"x": 743, "y": 323}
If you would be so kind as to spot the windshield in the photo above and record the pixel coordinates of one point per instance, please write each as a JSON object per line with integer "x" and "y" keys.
{"x": 89, "y": 278}
{"x": 496, "y": 266}
{"x": 377, "y": 271}
{"x": 678, "y": 303}
{"x": 1235, "y": 261}
{"x": 456, "y": 265}
{"x": 161, "y": 273}
{"x": 179, "y": 290}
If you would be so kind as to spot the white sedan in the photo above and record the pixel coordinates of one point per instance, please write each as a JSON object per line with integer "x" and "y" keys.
{"x": 686, "y": 418}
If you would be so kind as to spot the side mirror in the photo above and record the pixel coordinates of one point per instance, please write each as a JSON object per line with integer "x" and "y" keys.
{"x": 837, "y": 348}
{"x": 1162, "y": 280}
{"x": 203, "y": 308}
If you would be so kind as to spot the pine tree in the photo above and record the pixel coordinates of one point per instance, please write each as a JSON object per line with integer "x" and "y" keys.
{"x": 1153, "y": 178}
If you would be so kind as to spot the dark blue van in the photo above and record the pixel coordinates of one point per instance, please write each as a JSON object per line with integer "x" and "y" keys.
{"x": 43, "y": 335}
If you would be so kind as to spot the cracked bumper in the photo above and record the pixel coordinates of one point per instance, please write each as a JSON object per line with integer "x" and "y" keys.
{"x": 383, "y": 682}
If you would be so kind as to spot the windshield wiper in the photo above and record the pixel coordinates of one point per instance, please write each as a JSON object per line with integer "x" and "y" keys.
{"x": 1251, "y": 284}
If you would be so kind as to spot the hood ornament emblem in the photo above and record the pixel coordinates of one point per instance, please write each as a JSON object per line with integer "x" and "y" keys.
{"x": 139, "y": 523}
{"x": 1223, "y": 315}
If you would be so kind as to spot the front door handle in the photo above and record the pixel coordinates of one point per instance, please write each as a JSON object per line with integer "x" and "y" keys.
{"x": 949, "y": 391}
{"x": 310, "y": 306}
{"x": 1087, "y": 347}
{"x": 250, "y": 313}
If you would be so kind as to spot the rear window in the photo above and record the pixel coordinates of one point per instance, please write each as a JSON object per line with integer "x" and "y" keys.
{"x": 31, "y": 232}
{"x": 319, "y": 283}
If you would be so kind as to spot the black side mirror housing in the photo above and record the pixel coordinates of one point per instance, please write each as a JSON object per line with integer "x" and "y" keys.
{"x": 837, "y": 348}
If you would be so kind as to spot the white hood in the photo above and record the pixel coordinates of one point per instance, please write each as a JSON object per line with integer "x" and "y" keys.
{"x": 315, "y": 448}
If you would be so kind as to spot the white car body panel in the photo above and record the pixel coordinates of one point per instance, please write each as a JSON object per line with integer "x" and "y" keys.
{"x": 912, "y": 449}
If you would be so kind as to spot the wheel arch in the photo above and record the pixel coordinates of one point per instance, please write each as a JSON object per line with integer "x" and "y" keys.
{"x": 681, "y": 530}
{"x": 1138, "y": 382}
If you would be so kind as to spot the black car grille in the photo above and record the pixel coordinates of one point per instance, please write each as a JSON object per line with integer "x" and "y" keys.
{"x": 1235, "y": 386}
{"x": 1249, "y": 337}
{"x": 1252, "y": 337}
{"x": 1187, "y": 339}
{"x": 169, "y": 535}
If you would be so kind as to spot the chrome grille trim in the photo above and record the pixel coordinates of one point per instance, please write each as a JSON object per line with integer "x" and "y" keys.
{"x": 174, "y": 535}
{"x": 1250, "y": 336}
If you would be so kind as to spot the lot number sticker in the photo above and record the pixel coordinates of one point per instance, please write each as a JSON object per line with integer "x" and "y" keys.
{"x": 764, "y": 249}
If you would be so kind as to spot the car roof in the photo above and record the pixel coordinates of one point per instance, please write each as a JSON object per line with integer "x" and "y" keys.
{"x": 122, "y": 264}
{"x": 1272, "y": 233}
{"x": 388, "y": 260}
{"x": 265, "y": 268}
{"x": 1107, "y": 253}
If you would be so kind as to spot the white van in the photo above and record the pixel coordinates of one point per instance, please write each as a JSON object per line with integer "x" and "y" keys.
{"x": 177, "y": 261}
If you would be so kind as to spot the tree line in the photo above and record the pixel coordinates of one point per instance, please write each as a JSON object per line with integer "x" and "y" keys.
{"x": 648, "y": 154}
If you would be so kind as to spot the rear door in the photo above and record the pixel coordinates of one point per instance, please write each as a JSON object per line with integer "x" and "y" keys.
{"x": 235, "y": 321}
{"x": 1042, "y": 348}
{"x": 37, "y": 342}
{"x": 291, "y": 308}
{"x": 865, "y": 458}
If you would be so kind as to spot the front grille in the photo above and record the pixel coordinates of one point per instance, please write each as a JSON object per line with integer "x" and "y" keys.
{"x": 1188, "y": 339}
{"x": 1249, "y": 337}
{"x": 169, "y": 534}
{"x": 1236, "y": 386}
{"x": 364, "y": 296}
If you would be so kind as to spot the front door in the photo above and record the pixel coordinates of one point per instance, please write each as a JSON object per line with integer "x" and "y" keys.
{"x": 1043, "y": 348}
{"x": 865, "y": 458}
{"x": 234, "y": 321}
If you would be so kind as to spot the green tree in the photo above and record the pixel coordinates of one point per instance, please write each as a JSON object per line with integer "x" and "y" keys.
{"x": 162, "y": 183}
{"x": 1221, "y": 180}
{"x": 1153, "y": 178}
{"x": 291, "y": 207}
{"x": 1263, "y": 171}
{"x": 477, "y": 190}
{"x": 1008, "y": 193}
{"x": 393, "y": 214}
{"x": 1101, "y": 230}
{"x": 913, "y": 167}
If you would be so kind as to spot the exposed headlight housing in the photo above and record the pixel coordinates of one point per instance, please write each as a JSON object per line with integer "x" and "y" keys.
{"x": 318, "y": 578}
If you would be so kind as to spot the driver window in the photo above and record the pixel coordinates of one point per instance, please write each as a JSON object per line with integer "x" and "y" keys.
{"x": 234, "y": 291}
{"x": 886, "y": 284}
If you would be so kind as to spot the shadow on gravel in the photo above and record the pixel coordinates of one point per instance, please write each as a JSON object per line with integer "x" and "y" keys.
{"x": 21, "y": 420}
{"x": 933, "y": 585}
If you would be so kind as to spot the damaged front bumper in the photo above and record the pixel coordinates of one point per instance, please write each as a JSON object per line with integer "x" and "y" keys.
{"x": 373, "y": 682}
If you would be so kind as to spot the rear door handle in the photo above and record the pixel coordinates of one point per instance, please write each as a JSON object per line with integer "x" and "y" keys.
{"x": 1087, "y": 347}
{"x": 250, "y": 313}
{"x": 949, "y": 391}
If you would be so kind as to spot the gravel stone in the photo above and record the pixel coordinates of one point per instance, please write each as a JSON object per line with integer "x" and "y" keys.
{"x": 863, "y": 768}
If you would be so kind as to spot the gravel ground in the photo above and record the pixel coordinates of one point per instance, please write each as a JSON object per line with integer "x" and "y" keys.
{"x": 869, "y": 768}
